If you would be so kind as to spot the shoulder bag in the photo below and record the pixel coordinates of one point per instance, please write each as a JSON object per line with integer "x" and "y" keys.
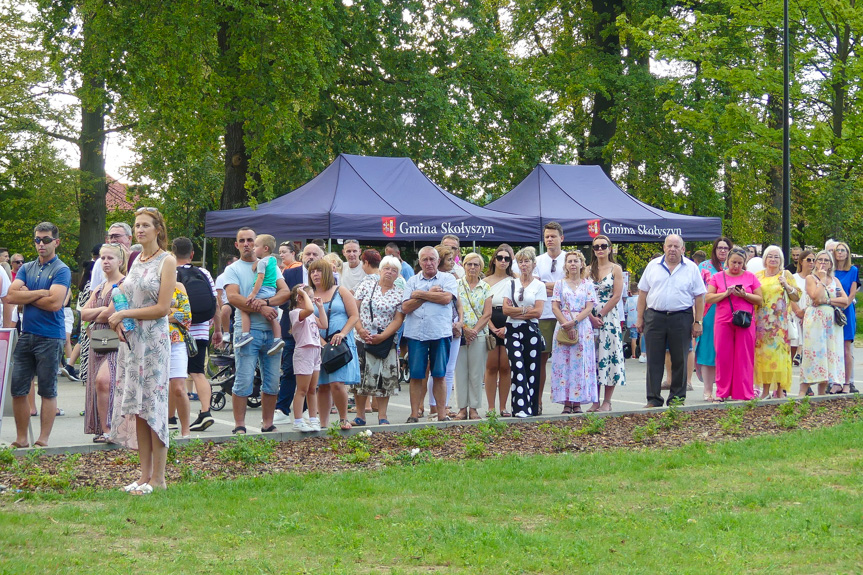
{"x": 379, "y": 350}
{"x": 739, "y": 317}
{"x": 490, "y": 340}
{"x": 191, "y": 344}
{"x": 334, "y": 357}
{"x": 104, "y": 340}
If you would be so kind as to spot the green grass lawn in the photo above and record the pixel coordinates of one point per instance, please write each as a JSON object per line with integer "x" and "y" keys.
{"x": 778, "y": 504}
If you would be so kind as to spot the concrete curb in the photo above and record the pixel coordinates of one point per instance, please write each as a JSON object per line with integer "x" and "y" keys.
{"x": 285, "y": 436}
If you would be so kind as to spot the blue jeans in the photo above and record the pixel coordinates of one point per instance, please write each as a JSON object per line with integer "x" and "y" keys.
{"x": 288, "y": 382}
{"x": 424, "y": 354}
{"x": 36, "y": 355}
{"x": 253, "y": 353}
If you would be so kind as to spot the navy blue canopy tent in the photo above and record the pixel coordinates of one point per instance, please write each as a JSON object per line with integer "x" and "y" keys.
{"x": 586, "y": 202}
{"x": 374, "y": 198}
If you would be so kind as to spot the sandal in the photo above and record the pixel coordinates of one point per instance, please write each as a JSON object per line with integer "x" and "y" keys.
{"x": 593, "y": 408}
{"x": 16, "y": 445}
{"x": 472, "y": 414}
{"x": 576, "y": 409}
{"x": 101, "y": 438}
{"x": 461, "y": 415}
{"x": 505, "y": 414}
{"x": 359, "y": 422}
{"x": 143, "y": 489}
{"x": 344, "y": 424}
{"x": 383, "y": 422}
{"x": 239, "y": 430}
{"x": 131, "y": 487}
{"x": 39, "y": 444}
{"x": 412, "y": 420}
{"x": 269, "y": 429}
{"x": 567, "y": 410}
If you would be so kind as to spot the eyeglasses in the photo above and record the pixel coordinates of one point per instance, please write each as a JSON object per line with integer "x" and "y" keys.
{"x": 503, "y": 258}
{"x": 44, "y": 240}
{"x": 823, "y": 261}
{"x": 722, "y": 248}
{"x": 145, "y": 209}
{"x": 115, "y": 237}
{"x": 600, "y": 247}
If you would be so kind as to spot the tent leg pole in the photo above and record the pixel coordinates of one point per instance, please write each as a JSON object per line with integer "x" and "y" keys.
{"x": 474, "y": 245}
{"x": 329, "y": 244}
{"x": 204, "y": 256}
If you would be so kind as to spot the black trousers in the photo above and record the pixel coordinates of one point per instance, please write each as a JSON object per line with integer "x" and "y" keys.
{"x": 672, "y": 331}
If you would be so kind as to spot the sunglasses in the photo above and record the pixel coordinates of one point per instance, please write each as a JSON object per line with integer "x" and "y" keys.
{"x": 17, "y": 261}
{"x": 145, "y": 209}
{"x": 45, "y": 240}
{"x": 503, "y": 258}
{"x": 599, "y": 247}
{"x": 810, "y": 260}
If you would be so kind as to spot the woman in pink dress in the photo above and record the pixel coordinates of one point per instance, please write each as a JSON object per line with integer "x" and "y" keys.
{"x": 734, "y": 289}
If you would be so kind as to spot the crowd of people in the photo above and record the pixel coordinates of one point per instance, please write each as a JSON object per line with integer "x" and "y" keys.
{"x": 323, "y": 332}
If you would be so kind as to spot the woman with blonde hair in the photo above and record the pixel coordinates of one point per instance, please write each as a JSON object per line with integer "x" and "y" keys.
{"x": 497, "y": 375}
{"x": 849, "y": 278}
{"x": 822, "y": 361}
{"x": 475, "y": 296}
{"x": 573, "y": 355}
{"x": 772, "y": 319}
{"x": 102, "y": 373}
{"x": 523, "y": 307}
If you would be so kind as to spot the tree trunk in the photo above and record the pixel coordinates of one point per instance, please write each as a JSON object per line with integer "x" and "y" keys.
{"x": 603, "y": 123}
{"x": 93, "y": 185}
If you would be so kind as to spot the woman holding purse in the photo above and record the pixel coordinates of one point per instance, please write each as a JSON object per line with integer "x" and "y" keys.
{"x": 573, "y": 355}
{"x": 475, "y": 296}
{"x": 772, "y": 320}
{"x": 734, "y": 290}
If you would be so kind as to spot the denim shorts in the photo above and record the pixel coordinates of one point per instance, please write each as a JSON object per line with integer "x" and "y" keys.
{"x": 252, "y": 354}
{"x": 39, "y": 356}
{"x": 423, "y": 353}
{"x": 266, "y": 292}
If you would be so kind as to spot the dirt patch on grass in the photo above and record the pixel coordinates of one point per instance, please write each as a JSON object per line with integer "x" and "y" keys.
{"x": 490, "y": 438}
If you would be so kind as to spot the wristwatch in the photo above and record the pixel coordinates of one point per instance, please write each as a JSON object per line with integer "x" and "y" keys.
{"x": 267, "y": 301}
{"x": 698, "y": 321}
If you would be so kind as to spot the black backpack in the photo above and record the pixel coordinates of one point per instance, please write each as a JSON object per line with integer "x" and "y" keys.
{"x": 201, "y": 298}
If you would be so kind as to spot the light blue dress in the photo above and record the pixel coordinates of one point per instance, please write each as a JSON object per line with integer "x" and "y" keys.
{"x": 337, "y": 317}
{"x": 705, "y": 352}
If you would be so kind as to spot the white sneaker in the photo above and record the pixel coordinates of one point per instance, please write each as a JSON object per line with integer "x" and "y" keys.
{"x": 302, "y": 426}
{"x": 315, "y": 424}
{"x": 280, "y": 416}
{"x": 642, "y": 358}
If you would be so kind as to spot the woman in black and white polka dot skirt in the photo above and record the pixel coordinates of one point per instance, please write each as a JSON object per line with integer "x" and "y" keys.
{"x": 523, "y": 339}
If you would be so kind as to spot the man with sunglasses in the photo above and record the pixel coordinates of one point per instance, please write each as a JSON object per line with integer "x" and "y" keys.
{"x": 41, "y": 287}
{"x": 16, "y": 261}
{"x": 549, "y": 269}
{"x": 119, "y": 233}
{"x": 670, "y": 313}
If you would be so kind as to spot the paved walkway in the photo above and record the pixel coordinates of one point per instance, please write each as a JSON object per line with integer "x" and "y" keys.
{"x": 69, "y": 429}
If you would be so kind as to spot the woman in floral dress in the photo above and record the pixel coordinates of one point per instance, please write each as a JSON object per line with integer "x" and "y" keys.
{"x": 141, "y": 394}
{"x": 771, "y": 318}
{"x": 823, "y": 359}
{"x": 573, "y": 366}
{"x": 607, "y": 279}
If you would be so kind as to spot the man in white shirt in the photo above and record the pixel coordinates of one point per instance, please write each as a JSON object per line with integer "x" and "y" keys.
{"x": 118, "y": 233}
{"x": 352, "y": 274}
{"x": 453, "y": 243}
{"x": 549, "y": 269}
{"x": 670, "y": 311}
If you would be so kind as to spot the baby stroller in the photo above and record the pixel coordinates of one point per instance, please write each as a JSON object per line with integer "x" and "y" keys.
{"x": 221, "y": 373}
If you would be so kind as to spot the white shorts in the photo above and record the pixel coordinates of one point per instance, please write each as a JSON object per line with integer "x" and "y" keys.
{"x": 69, "y": 317}
{"x": 179, "y": 361}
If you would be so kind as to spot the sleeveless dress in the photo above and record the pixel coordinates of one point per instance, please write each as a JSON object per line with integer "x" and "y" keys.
{"x": 142, "y": 371}
{"x": 823, "y": 357}
{"x": 772, "y": 344}
{"x": 705, "y": 349}
{"x": 337, "y": 317}
{"x": 802, "y": 304}
{"x": 573, "y": 367}
{"x": 847, "y": 278}
{"x": 610, "y": 362}
{"x": 92, "y": 423}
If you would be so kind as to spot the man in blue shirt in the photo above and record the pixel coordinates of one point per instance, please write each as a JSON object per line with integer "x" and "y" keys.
{"x": 392, "y": 249}
{"x": 427, "y": 305}
{"x": 41, "y": 287}
{"x": 240, "y": 278}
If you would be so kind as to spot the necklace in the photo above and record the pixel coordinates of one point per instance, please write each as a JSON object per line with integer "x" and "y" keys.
{"x": 144, "y": 258}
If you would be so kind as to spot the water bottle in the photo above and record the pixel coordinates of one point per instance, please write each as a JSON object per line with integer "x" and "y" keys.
{"x": 122, "y": 303}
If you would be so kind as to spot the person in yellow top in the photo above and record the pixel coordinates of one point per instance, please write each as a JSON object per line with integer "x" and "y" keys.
{"x": 772, "y": 318}
{"x": 178, "y": 400}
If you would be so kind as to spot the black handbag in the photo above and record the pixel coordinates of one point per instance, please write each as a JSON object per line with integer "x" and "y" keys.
{"x": 334, "y": 357}
{"x": 739, "y": 317}
{"x": 839, "y": 317}
{"x": 379, "y": 350}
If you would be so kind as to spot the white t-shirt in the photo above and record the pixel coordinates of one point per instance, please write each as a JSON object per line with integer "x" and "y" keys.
{"x": 350, "y": 277}
{"x": 5, "y": 283}
{"x": 755, "y": 265}
{"x": 544, "y": 273}
{"x": 534, "y": 292}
